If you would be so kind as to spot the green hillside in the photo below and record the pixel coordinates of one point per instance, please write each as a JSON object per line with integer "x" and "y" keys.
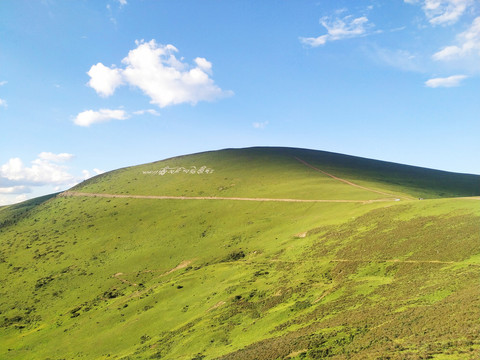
{"x": 260, "y": 253}
{"x": 279, "y": 172}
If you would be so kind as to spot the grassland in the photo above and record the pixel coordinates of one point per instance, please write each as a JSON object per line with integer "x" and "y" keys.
{"x": 137, "y": 278}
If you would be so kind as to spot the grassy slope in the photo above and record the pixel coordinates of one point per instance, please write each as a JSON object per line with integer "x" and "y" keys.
{"x": 253, "y": 288}
{"x": 275, "y": 172}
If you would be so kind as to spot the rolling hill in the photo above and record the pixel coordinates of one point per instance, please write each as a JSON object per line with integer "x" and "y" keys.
{"x": 258, "y": 253}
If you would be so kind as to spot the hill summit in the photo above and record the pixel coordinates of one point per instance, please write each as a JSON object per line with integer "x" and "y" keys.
{"x": 258, "y": 253}
{"x": 282, "y": 172}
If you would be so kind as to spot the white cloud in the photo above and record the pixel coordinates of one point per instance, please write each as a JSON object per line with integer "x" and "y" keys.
{"x": 3, "y": 102}
{"x": 443, "y": 12}
{"x": 104, "y": 79}
{"x": 468, "y": 44}
{"x": 45, "y": 170}
{"x": 15, "y": 190}
{"x": 48, "y": 156}
{"x": 4, "y": 82}
{"x": 4, "y": 200}
{"x": 147, "y": 111}
{"x": 154, "y": 69}
{"x": 87, "y": 174}
{"x": 338, "y": 29}
{"x": 89, "y": 117}
{"x": 203, "y": 64}
{"x": 48, "y": 173}
{"x": 451, "y": 81}
{"x": 122, "y": 2}
{"x": 260, "y": 125}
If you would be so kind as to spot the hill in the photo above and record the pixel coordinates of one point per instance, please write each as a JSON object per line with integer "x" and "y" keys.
{"x": 260, "y": 253}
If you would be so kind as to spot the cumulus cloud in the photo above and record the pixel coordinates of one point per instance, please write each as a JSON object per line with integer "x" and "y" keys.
{"x": 338, "y": 29}
{"x": 89, "y": 117}
{"x": 468, "y": 44}
{"x": 155, "y": 69}
{"x": 8, "y": 200}
{"x": 3, "y": 102}
{"x": 3, "y": 82}
{"x": 122, "y": 2}
{"x": 47, "y": 173}
{"x": 451, "y": 81}
{"x": 104, "y": 79}
{"x": 47, "y": 169}
{"x": 443, "y": 12}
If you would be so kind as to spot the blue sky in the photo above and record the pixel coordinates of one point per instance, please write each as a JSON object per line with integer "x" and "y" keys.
{"x": 91, "y": 86}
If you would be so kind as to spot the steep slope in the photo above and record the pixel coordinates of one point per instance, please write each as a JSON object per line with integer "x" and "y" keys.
{"x": 208, "y": 275}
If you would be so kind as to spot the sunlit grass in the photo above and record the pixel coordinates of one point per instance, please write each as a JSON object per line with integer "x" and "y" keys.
{"x": 100, "y": 278}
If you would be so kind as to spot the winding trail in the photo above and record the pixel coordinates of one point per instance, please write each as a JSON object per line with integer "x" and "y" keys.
{"x": 167, "y": 197}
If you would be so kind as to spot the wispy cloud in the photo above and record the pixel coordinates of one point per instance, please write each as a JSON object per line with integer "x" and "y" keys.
{"x": 154, "y": 69}
{"x": 400, "y": 59}
{"x": 89, "y": 117}
{"x": 113, "y": 10}
{"x": 3, "y": 102}
{"x": 443, "y": 12}
{"x": 260, "y": 125}
{"x": 451, "y": 81}
{"x": 468, "y": 43}
{"x": 15, "y": 190}
{"x": 147, "y": 111}
{"x": 338, "y": 29}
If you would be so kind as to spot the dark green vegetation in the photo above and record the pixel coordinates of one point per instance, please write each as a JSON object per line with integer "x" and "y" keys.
{"x": 128, "y": 278}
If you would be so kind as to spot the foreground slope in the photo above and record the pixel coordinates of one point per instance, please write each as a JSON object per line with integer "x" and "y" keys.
{"x": 115, "y": 270}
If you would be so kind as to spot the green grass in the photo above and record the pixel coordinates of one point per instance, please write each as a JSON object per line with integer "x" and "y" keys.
{"x": 276, "y": 173}
{"x": 385, "y": 280}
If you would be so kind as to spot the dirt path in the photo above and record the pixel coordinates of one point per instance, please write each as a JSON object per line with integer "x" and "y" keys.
{"x": 182, "y": 265}
{"x": 351, "y": 183}
{"x": 161, "y": 197}
{"x": 117, "y": 276}
{"x": 399, "y": 261}
{"x": 217, "y": 305}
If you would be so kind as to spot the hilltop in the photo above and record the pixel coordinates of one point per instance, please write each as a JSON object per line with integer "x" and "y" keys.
{"x": 259, "y": 253}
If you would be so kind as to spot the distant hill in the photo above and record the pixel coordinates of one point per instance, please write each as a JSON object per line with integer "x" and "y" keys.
{"x": 258, "y": 253}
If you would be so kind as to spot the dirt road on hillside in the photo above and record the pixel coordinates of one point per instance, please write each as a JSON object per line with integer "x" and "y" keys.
{"x": 351, "y": 183}
{"x": 162, "y": 197}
